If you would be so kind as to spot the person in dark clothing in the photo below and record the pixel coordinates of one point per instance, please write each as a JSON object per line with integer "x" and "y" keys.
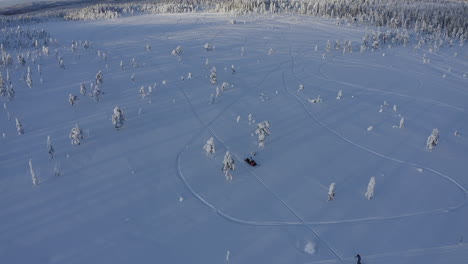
{"x": 358, "y": 258}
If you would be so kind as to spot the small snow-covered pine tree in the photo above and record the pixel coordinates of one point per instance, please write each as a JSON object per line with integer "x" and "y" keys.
{"x": 370, "y": 188}
{"x": 209, "y": 147}
{"x": 402, "y": 122}
{"x": 72, "y": 99}
{"x": 263, "y": 130}
{"x": 331, "y": 192}
{"x": 19, "y": 127}
{"x": 29, "y": 80}
{"x": 33, "y": 173}
{"x": 76, "y": 135}
{"x": 10, "y": 92}
{"x": 50, "y": 148}
{"x": 83, "y": 89}
{"x": 96, "y": 92}
{"x": 213, "y": 75}
{"x": 340, "y": 94}
{"x": 228, "y": 165}
{"x": 142, "y": 92}
{"x": 99, "y": 79}
{"x": 118, "y": 118}
{"x": 121, "y": 65}
{"x": 301, "y": 87}
{"x": 177, "y": 52}
{"x": 433, "y": 139}
{"x": 3, "y": 88}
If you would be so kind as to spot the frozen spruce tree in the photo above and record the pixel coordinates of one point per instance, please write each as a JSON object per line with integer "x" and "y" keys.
{"x": 118, "y": 118}
{"x": 96, "y": 92}
{"x": 142, "y": 92}
{"x": 10, "y": 92}
{"x": 370, "y": 188}
{"x": 3, "y": 87}
{"x": 263, "y": 131}
{"x": 301, "y": 87}
{"x": 72, "y": 99}
{"x": 76, "y": 135}
{"x": 29, "y": 81}
{"x": 213, "y": 75}
{"x": 99, "y": 79}
{"x": 209, "y": 147}
{"x": 331, "y": 192}
{"x": 50, "y": 148}
{"x": 83, "y": 89}
{"x": 228, "y": 165}
{"x": 33, "y": 173}
{"x": 19, "y": 127}
{"x": 433, "y": 139}
{"x": 340, "y": 94}
{"x": 402, "y": 122}
{"x": 177, "y": 52}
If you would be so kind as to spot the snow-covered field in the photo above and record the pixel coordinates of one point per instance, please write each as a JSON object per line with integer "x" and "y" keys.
{"x": 148, "y": 193}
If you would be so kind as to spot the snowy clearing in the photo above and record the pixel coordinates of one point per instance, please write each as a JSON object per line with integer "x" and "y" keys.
{"x": 140, "y": 187}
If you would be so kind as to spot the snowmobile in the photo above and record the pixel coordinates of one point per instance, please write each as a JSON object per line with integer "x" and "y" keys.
{"x": 251, "y": 162}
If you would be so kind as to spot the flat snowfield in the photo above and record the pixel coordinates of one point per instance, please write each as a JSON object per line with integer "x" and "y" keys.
{"x": 148, "y": 193}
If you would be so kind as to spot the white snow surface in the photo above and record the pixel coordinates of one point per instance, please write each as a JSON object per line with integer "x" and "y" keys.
{"x": 118, "y": 199}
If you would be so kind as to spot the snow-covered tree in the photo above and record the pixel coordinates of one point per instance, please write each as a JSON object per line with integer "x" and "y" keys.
{"x": 76, "y": 135}
{"x": 433, "y": 139}
{"x": 340, "y": 94}
{"x": 402, "y": 122}
{"x": 29, "y": 80}
{"x": 72, "y": 99}
{"x": 213, "y": 75}
{"x": 177, "y": 52}
{"x": 121, "y": 65}
{"x": 61, "y": 63}
{"x": 394, "y": 108}
{"x": 142, "y": 92}
{"x": 118, "y": 118}
{"x": 233, "y": 69}
{"x": 96, "y": 92}
{"x": 228, "y": 165}
{"x": 328, "y": 48}
{"x": 208, "y": 47}
{"x": 263, "y": 131}
{"x": 301, "y": 87}
{"x": 218, "y": 92}
{"x": 370, "y": 188}
{"x": 33, "y": 173}
{"x": 148, "y": 47}
{"x": 209, "y": 147}
{"x": 331, "y": 192}
{"x": 224, "y": 86}
{"x": 10, "y": 92}
{"x": 189, "y": 75}
{"x": 3, "y": 87}
{"x": 83, "y": 89}
{"x": 50, "y": 148}
{"x": 19, "y": 127}
{"x": 99, "y": 79}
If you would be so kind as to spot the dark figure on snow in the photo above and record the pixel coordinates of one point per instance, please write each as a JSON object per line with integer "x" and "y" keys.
{"x": 358, "y": 258}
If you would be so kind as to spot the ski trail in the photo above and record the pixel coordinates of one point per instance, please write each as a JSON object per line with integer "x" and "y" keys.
{"x": 309, "y": 224}
{"x": 372, "y": 151}
{"x": 324, "y": 76}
